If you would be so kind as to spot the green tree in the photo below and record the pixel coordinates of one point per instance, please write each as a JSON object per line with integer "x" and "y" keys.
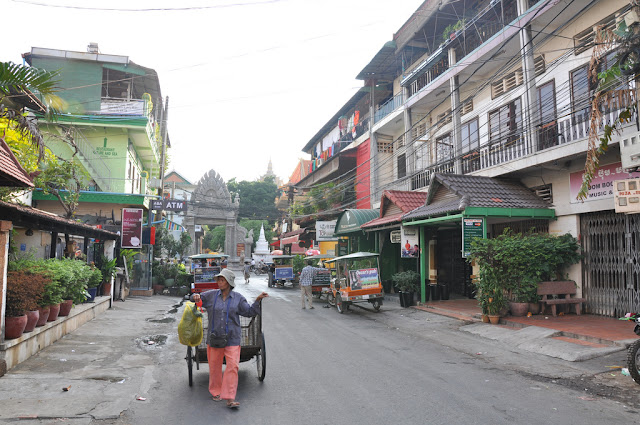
{"x": 255, "y": 226}
{"x": 257, "y": 199}
{"x": 214, "y": 239}
{"x": 323, "y": 198}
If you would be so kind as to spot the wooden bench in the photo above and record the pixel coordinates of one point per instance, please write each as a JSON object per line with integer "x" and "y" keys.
{"x": 564, "y": 289}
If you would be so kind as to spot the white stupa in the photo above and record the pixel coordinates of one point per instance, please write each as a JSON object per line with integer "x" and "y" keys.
{"x": 262, "y": 248}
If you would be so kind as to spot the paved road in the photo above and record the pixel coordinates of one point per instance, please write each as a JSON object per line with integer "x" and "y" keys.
{"x": 361, "y": 367}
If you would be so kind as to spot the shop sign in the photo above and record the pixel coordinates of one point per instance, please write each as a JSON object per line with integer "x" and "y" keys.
{"x": 471, "y": 228}
{"x": 168, "y": 205}
{"x": 602, "y": 185}
{"x": 409, "y": 242}
{"x": 325, "y": 230}
{"x": 395, "y": 236}
{"x": 363, "y": 278}
{"x": 131, "y": 228}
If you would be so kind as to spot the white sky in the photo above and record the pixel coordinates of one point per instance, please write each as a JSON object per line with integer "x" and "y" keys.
{"x": 247, "y": 81}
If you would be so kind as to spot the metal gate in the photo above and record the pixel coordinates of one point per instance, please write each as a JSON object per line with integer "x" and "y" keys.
{"x": 611, "y": 263}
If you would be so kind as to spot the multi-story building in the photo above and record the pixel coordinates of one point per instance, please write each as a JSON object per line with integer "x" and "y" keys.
{"x": 499, "y": 89}
{"x": 111, "y": 113}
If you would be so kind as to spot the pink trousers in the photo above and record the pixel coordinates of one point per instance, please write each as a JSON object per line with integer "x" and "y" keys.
{"x": 225, "y": 386}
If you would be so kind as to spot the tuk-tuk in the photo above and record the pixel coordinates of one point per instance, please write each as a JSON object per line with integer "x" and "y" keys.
{"x": 357, "y": 280}
{"x": 283, "y": 275}
{"x": 204, "y": 271}
{"x": 321, "y": 284}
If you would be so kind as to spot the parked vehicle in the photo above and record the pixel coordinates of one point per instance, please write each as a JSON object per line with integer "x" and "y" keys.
{"x": 322, "y": 279}
{"x": 259, "y": 269}
{"x": 633, "y": 354}
{"x": 357, "y": 280}
{"x": 283, "y": 275}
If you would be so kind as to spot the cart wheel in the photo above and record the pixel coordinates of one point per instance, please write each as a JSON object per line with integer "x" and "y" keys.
{"x": 261, "y": 361}
{"x": 189, "y": 359}
{"x": 331, "y": 299}
{"x": 376, "y": 305}
{"x": 340, "y": 304}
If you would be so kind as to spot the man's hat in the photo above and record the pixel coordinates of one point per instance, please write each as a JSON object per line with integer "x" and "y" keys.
{"x": 229, "y": 277}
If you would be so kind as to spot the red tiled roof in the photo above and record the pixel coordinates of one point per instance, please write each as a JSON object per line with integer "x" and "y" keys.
{"x": 395, "y": 218}
{"x": 406, "y": 200}
{"x": 11, "y": 172}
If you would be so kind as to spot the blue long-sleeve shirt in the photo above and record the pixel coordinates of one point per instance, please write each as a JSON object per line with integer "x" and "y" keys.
{"x": 238, "y": 306}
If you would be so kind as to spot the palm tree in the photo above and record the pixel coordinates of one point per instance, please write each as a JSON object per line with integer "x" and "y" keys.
{"x": 16, "y": 83}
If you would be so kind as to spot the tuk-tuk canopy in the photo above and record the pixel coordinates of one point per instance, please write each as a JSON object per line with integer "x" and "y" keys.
{"x": 207, "y": 256}
{"x": 320, "y": 257}
{"x": 354, "y": 256}
{"x": 284, "y": 257}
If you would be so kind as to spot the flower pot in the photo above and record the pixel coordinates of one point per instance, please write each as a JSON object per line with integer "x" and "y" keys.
{"x": 444, "y": 291}
{"x": 157, "y": 289}
{"x": 32, "y": 320}
{"x": 534, "y": 308}
{"x": 92, "y": 295}
{"x": 406, "y": 299}
{"x": 65, "y": 307}
{"x": 106, "y": 289}
{"x": 435, "y": 292}
{"x": 54, "y": 311}
{"x": 519, "y": 309}
{"x": 14, "y": 326}
{"x": 494, "y": 319}
{"x": 485, "y": 318}
{"x": 44, "y": 315}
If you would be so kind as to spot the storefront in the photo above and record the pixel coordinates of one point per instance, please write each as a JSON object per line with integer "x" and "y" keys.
{"x": 459, "y": 208}
{"x": 348, "y": 228}
{"x": 392, "y": 247}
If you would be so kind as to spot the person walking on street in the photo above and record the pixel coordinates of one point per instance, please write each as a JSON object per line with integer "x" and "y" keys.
{"x": 224, "y": 308}
{"x": 247, "y": 272}
{"x": 306, "y": 280}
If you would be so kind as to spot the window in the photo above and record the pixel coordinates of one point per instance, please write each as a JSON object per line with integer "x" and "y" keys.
{"x": 548, "y": 130}
{"x": 515, "y": 78}
{"x": 470, "y": 139}
{"x": 584, "y": 40}
{"x": 444, "y": 119}
{"x": 402, "y": 166}
{"x": 444, "y": 148}
{"x": 505, "y": 123}
{"x": 580, "y": 94}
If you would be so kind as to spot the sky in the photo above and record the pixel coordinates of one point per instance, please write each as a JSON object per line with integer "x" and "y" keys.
{"x": 247, "y": 80}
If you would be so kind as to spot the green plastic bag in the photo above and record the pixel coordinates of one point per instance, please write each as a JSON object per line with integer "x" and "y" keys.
{"x": 190, "y": 326}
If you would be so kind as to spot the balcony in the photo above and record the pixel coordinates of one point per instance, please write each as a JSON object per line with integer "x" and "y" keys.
{"x": 388, "y": 107}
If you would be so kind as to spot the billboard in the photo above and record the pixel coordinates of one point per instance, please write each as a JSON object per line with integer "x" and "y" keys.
{"x": 325, "y": 229}
{"x": 409, "y": 243}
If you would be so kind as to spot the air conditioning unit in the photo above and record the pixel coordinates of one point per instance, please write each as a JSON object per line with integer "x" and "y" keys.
{"x": 630, "y": 152}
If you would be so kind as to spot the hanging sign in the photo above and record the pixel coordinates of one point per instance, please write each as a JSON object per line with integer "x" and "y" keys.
{"x": 471, "y": 228}
{"x": 325, "y": 229}
{"x": 395, "y": 236}
{"x": 131, "y": 228}
{"x": 168, "y": 205}
{"x": 409, "y": 242}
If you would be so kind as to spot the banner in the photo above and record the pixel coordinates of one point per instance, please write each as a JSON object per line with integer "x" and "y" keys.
{"x": 131, "y": 228}
{"x": 363, "y": 278}
{"x": 409, "y": 243}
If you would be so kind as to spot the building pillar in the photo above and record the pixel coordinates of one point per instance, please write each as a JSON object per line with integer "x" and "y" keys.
{"x": 530, "y": 107}
{"x": 424, "y": 258}
{"x": 456, "y": 134}
{"x": 409, "y": 142}
{"x": 5, "y": 228}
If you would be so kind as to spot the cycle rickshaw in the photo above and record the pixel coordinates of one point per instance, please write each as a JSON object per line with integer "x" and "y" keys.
{"x": 252, "y": 345}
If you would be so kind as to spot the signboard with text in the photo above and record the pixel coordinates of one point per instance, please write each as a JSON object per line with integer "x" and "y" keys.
{"x": 602, "y": 184}
{"x": 131, "y": 228}
{"x": 168, "y": 205}
{"x": 409, "y": 241}
{"x": 471, "y": 228}
{"x": 363, "y": 278}
{"x": 325, "y": 229}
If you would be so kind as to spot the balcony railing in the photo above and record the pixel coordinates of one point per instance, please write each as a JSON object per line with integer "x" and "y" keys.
{"x": 93, "y": 161}
{"x": 388, "y": 107}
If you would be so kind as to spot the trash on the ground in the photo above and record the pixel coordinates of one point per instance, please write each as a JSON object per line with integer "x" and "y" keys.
{"x": 561, "y": 313}
{"x": 141, "y": 398}
{"x": 63, "y": 360}
{"x": 92, "y": 343}
{"x": 121, "y": 382}
{"x": 478, "y": 353}
{"x": 546, "y": 317}
{"x": 529, "y": 314}
{"x": 587, "y": 398}
{"x": 151, "y": 343}
{"x": 614, "y": 367}
{"x": 613, "y": 374}
{"x": 73, "y": 351}
{"x": 66, "y": 388}
{"x": 625, "y": 371}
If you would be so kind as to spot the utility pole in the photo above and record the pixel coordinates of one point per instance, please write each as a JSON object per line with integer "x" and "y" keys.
{"x": 165, "y": 116}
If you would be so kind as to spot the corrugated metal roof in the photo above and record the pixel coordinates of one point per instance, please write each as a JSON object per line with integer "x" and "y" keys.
{"x": 11, "y": 172}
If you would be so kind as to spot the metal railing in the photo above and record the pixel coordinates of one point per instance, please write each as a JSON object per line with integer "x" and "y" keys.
{"x": 99, "y": 170}
{"x": 388, "y": 107}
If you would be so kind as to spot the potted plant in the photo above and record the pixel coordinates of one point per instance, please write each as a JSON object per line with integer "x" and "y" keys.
{"x": 407, "y": 283}
{"x": 49, "y": 304}
{"x": 521, "y": 294}
{"x": 108, "y": 269}
{"x": 93, "y": 281}
{"x": 23, "y": 293}
{"x": 496, "y": 303}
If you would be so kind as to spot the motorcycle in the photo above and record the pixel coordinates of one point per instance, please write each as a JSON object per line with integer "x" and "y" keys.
{"x": 259, "y": 269}
{"x": 633, "y": 354}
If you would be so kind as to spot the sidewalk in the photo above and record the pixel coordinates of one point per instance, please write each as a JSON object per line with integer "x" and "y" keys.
{"x": 569, "y": 337}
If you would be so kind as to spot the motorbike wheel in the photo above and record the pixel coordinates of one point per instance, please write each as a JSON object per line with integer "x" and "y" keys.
{"x": 257, "y": 271}
{"x": 331, "y": 299}
{"x": 376, "y": 305}
{"x": 340, "y": 304}
{"x": 633, "y": 361}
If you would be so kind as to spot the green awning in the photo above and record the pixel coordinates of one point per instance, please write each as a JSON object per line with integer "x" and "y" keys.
{"x": 350, "y": 220}
{"x": 533, "y": 213}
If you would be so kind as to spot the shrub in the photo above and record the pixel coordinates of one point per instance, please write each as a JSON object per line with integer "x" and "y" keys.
{"x": 408, "y": 281}
{"x": 24, "y": 291}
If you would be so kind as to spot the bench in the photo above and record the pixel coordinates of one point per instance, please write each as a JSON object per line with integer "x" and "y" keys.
{"x": 565, "y": 288}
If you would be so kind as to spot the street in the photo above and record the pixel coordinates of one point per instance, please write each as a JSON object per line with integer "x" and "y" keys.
{"x": 327, "y": 368}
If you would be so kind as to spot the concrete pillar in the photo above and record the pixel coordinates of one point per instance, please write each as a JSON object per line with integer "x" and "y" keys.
{"x": 456, "y": 134}
{"x": 5, "y": 228}
{"x": 409, "y": 143}
{"x": 530, "y": 107}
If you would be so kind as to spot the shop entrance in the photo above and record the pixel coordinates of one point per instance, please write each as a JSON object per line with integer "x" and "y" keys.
{"x": 454, "y": 272}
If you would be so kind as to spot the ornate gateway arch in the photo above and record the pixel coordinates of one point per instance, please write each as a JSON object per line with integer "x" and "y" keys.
{"x": 211, "y": 205}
